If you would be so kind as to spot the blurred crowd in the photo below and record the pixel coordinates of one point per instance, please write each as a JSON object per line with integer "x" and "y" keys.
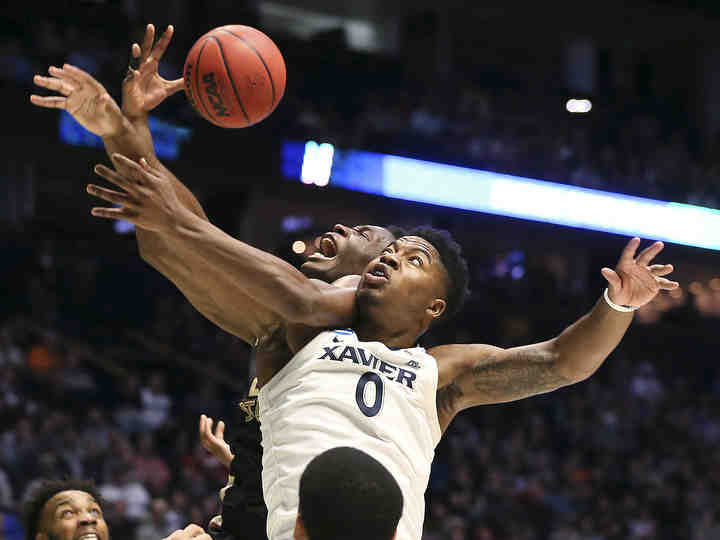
{"x": 105, "y": 369}
{"x": 637, "y": 147}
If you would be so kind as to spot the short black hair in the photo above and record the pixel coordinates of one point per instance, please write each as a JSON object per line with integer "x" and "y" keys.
{"x": 345, "y": 493}
{"x": 38, "y": 498}
{"x": 455, "y": 264}
{"x": 396, "y": 230}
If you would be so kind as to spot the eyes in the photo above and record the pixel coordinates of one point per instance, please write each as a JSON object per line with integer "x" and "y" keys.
{"x": 67, "y": 513}
{"x": 415, "y": 260}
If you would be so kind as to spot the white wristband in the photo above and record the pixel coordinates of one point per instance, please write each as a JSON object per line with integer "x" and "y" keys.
{"x": 616, "y": 307}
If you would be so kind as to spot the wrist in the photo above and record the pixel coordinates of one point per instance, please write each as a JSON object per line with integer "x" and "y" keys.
{"x": 617, "y": 307}
{"x": 186, "y": 223}
{"x": 123, "y": 129}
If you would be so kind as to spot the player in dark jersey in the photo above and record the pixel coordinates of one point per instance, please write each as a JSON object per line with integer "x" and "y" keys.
{"x": 343, "y": 251}
{"x": 395, "y": 314}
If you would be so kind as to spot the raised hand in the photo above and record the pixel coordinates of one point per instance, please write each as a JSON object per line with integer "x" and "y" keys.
{"x": 83, "y": 97}
{"x": 148, "y": 199}
{"x": 635, "y": 282}
{"x": 144, "y": 89}
{"x": 215, "y": 442}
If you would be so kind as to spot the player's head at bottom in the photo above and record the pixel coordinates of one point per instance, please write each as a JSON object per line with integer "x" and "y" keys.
{"x": 65, "y": 510}
{"x": 345, "y": 493}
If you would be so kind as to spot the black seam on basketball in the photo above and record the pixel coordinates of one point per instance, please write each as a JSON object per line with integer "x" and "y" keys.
{"x": 253, "y": 49}
{"x": 197, "y": 82}
{"x": 229, "y": 74}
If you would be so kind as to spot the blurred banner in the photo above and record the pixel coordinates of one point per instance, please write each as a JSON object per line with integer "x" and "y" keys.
{"x": 501, "y": 194}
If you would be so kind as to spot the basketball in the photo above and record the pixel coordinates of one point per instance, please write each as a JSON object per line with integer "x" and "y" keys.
{"x": 234, "y": 76}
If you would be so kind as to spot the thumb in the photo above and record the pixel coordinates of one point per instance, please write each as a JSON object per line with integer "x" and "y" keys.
{"x": 175, "y": 86}
{"x": 612, "y": 278}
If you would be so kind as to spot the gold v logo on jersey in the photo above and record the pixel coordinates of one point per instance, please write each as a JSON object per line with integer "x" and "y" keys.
{"x": 249, "y": 406}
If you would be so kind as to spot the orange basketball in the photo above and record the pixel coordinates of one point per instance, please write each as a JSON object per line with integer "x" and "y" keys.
{"x": 234, "y": 76}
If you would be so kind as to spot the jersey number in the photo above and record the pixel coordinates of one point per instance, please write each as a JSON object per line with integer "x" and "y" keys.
{"x": 374, "y": 378}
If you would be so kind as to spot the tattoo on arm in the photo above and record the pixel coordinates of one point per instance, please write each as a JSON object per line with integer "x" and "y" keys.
{"x": 520, "y": 374}
{"x": 447, "y": 398}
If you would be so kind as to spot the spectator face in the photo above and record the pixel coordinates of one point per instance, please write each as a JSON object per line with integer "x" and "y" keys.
{"x": 72, "y": 515}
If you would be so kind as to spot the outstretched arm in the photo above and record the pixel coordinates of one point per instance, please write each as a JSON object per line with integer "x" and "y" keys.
{"x": 149, "y": 202}
{"x": 82, "y": 96}
{"x": 483, "y": 374}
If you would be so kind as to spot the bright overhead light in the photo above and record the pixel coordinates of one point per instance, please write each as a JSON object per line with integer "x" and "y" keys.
{"x": 298, "y": 247}
{"x": 578, "y": 106}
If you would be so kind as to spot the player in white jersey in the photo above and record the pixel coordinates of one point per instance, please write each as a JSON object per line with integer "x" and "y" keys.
{"x": 340, "y": 390}
{"x": 415, "y": 282}
{"x": 420, "y": 281}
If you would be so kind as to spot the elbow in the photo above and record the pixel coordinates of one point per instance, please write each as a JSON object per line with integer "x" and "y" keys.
{"x": 573, "y": 367}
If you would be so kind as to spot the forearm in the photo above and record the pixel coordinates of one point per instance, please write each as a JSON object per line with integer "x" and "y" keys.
{"x": 263, "y": 277}
{"x": 482, "y": 374}
{"x": 584, "y": 345}
{"x": 135, "y": 141}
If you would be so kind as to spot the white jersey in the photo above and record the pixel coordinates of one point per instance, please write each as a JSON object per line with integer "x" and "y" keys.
{"x": 339, "y": 391}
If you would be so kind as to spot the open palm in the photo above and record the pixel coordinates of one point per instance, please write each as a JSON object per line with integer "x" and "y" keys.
{"x": 635, "y": 282}
{"x": 83, "y": 97}
{"x": 144, "y": 89}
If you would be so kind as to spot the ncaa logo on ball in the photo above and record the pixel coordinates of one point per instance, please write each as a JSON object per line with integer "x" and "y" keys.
{"x": 213, "y": 95}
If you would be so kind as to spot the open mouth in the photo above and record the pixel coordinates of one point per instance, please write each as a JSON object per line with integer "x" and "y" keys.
{"x": 378, "y": 274}
{"x": 88, "y": 536}
{"x": 327, "y": 248}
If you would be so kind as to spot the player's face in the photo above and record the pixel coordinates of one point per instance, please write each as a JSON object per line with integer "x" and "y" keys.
{"x": 407, "y": 281}
{"x": 346, "y": 251}
{"x": 73, "y": 515}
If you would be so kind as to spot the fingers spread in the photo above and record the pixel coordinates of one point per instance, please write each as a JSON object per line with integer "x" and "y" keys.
{"x": 147, "y": 42}
{"x": 53, "y": 83}
{"x": 109, "y": 195}
{"x": 660, "y": 269}
{"x": 611, "y": 276}
{"x": 114, "y": 213}
{"x": 59, "y": 73}
{"x": 130, "y": 168}
{"x": 649, "y": 253}
{"x": 162, "y": 44}
{"x": 628, "y": 254}
{"x": 51, "y": 102}
{"x": 115, "y": 178}
{"x": 666, "y": 284}
{"x": 82, "y": 76}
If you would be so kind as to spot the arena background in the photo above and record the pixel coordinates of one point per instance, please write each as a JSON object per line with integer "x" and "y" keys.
{"x": 105, "y": 368}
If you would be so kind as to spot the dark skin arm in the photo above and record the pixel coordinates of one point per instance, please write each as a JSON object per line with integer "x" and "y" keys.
{"x": 208, "y": 289}
{"x": 149, "y": 202}
{"x": 483, "y": 374}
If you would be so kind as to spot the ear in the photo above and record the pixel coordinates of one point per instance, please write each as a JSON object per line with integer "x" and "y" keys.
{"x": 300, "y": 533}
{"x": 436, "y": 308}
